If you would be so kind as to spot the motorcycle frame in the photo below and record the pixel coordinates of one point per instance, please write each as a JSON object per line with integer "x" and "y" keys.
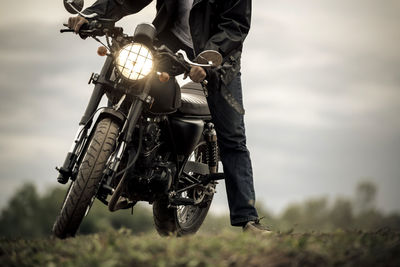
{"x": 128, "y": 123}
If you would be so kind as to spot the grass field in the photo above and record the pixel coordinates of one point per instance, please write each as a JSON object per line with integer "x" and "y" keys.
{"x": 122, "y": 248}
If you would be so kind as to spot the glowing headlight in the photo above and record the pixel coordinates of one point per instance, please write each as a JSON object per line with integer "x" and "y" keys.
{"x": 134, "y": 61}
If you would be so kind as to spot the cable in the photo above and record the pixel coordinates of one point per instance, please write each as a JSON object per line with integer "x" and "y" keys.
{"x": 136, "y": 155}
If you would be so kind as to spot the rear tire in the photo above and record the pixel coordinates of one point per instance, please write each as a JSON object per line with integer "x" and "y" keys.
{"x": 83, "y": 190}
{"x": 183, "y": 220}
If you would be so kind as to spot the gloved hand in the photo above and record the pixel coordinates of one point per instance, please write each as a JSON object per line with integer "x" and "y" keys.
{"x": 197, "y": 74}
{"x": 75, "y": 23}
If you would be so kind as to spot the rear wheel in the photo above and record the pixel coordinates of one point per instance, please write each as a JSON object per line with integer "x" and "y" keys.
{"x": 185, "y": 219}
{"x": 82, "y": 191}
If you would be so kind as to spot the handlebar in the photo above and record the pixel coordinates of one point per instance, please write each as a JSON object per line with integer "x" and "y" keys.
{"x": 97, "y": 27}
{"x": 66, "y": 30}
{"x": 180, "y": 61}
{"x": 86, "y": 30}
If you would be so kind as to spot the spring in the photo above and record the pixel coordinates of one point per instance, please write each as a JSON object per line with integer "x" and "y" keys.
{"x": 212, "y": 147}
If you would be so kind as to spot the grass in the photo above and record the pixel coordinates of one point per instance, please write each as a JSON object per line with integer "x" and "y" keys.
{"x": 122, "y": 248}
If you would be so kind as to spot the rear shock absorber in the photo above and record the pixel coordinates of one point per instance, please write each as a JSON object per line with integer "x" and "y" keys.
{"x": 212, "y": 148}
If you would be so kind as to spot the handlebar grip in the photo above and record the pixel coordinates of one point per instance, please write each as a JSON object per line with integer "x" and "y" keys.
{"x": 84, "y": 27}
{"x": 66, "y": 30}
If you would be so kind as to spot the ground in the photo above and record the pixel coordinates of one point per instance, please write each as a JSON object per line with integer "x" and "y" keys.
{"x": 123, "y": 248}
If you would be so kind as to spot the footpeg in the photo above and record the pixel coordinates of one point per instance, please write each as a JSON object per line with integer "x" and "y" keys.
{"x": 212, "y": 177}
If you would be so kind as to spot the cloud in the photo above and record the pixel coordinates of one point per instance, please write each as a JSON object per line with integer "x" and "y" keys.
{"x": 321, "y": 94}
{"x": 320, "y": 84}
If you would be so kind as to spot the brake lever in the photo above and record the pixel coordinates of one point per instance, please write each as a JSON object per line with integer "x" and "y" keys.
{"x": 185, "y": 58}
{"x": 80, "y": 13}
{"x": 181, "y": 58}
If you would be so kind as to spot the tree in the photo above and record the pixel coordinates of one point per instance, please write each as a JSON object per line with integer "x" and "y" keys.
{"x": 341, "y": 215}
{"x": 22, "y": 216}
{"x": 365, "y": 196}
{"x": 30, "y": 215}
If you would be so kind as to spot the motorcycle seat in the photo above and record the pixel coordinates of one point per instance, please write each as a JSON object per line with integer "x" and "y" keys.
{"x": 193, "y": 100}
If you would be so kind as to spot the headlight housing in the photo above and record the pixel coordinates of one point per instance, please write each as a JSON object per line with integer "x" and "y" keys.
{"x": 134, "y": 61}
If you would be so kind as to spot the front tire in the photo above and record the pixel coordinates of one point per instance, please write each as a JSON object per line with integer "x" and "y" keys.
{"x": 83, "y": 190}
{"x": 183, "y": 220}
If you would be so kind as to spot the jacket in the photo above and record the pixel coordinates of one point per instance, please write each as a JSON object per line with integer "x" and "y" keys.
{"x": 220, "y": 25}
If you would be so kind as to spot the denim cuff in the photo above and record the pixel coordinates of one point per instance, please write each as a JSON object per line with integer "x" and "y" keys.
{"x": 242, "y": 221}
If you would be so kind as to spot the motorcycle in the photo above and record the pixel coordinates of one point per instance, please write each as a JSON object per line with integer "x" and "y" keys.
{"x": 153, "y": 142}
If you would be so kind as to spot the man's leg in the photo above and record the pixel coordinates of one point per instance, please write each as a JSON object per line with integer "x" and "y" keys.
{"x": 235, "y": 156}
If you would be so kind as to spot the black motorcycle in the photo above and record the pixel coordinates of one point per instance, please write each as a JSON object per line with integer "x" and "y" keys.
{"x": 154, "y": 141}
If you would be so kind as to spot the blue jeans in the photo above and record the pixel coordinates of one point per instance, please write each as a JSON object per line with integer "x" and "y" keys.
{"x": 235, "y": 156}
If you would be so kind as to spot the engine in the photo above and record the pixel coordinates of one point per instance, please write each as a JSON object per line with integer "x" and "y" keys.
{"x": 153, "y": 173}
{"x": 151, "y": 143}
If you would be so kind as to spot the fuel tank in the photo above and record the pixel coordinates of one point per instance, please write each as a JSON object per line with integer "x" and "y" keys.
{"x": 187, "y": 134}
{"x": 167, "y": 96}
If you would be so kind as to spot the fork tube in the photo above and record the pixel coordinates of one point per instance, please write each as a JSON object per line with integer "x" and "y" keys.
{"x": 135, "y": 111}
{"x": 98, "y": 92}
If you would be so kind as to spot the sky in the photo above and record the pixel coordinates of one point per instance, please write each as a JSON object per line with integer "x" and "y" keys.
{"x": 321, "y": 87}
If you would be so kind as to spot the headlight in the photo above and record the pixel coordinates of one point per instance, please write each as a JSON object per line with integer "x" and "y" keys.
{"x": 134, "y": 61}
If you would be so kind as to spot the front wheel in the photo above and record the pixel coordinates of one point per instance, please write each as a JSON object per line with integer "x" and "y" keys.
{"x": 83, "y": 190}
{"x": 185, "y": 219}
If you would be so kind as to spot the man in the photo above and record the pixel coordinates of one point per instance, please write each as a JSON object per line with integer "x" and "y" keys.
{"x": 195, "y": 26}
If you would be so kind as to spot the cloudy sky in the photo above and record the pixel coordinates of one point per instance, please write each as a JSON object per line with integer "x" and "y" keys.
{"x": 321, "y": 88}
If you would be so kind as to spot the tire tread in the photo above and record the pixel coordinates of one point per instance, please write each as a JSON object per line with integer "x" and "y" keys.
{"x": 89, "y": 176}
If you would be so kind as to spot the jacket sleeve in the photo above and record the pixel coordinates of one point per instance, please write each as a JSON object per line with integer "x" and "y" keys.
{"x": 116, "y": 9}
{"x": 233, "y": 24}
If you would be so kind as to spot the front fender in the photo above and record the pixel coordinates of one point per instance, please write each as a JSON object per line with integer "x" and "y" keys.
{"x": 113, "y": 114}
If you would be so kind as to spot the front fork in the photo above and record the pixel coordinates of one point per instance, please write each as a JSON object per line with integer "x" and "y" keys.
{"x": 126, "y": 136}
{"x": 67, "y": 170}
{"x": 128, "y": 128}
{"x": 134, "y": 114}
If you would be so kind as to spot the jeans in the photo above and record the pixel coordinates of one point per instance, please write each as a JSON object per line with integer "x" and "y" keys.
{"x": 235, "y": 156}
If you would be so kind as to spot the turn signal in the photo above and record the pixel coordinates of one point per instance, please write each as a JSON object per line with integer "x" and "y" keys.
{"x": 102, "y": 51}
{"x": 163, "y": 77}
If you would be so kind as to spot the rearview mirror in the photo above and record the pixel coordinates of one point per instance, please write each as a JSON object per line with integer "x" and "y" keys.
{"x": 73, "y": 6}
{"x": 209, "y": 57}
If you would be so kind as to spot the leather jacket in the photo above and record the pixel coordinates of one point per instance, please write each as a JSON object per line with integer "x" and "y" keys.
{"x": 220, "y": 25}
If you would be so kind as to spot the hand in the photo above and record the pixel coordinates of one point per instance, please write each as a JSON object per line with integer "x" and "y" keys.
{"x": 197, "y": 74}
{"x": 76, "y": 23}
